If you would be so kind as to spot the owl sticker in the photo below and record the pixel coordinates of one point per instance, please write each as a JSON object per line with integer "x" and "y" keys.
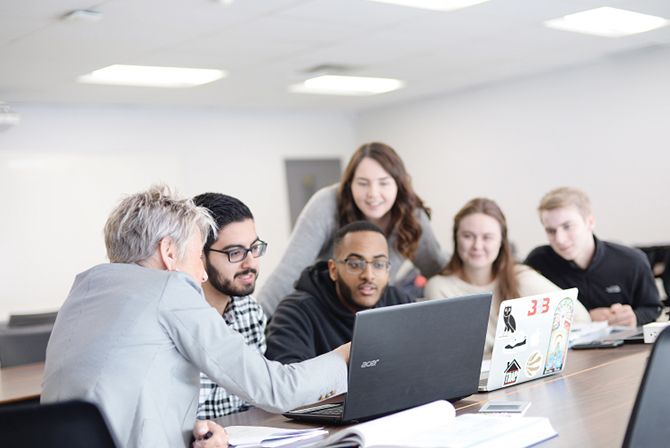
{"x": 510, "y": 322}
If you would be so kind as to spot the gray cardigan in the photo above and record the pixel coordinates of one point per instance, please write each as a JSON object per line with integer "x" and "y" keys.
{"x": 133, "y": 340}
{"x": 312, "y": 239}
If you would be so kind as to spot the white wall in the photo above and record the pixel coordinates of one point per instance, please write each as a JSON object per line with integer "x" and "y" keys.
{"x": 602, "y": 127}
{"x": 64, "y": 168}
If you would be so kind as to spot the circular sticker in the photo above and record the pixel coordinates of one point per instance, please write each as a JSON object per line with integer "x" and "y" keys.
{"x": 534, "y": 363}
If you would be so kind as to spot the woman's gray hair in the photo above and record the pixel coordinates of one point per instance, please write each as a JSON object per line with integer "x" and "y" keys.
{"x": 137, "y": 225}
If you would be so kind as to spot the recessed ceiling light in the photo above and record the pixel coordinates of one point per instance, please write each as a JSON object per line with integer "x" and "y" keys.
{"x": 607, "y": 22}
{"x": 148, "y": 76}
{"x": 83, "y": 15}
{"x": 436, "y": 5}
{"x": 347, "y": 85}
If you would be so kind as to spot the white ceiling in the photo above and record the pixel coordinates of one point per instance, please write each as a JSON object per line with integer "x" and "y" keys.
{"x": 266, "y": 45}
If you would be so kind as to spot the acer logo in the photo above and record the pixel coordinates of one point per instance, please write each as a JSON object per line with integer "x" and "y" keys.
{"x": 371, "y": 363}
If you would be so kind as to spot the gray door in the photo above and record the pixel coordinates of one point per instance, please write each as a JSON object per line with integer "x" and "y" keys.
{"x": 305, "y": 176}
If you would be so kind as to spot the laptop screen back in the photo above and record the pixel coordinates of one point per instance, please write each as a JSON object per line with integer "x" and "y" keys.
{"x": 648, "y": 424}
{"x": 531, "y": 337}
{"x": 407, "y": 355}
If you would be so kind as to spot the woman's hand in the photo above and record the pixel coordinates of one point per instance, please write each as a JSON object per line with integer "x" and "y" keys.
{"x": 208, "y": 434}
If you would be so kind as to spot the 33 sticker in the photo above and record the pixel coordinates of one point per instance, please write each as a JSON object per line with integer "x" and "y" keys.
{"x": 544, "y": 306}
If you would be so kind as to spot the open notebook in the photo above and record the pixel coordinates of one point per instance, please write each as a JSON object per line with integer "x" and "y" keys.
{"x": 435, "y": 425}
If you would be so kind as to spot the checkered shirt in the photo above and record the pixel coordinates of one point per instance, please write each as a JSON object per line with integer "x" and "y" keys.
{"x": 244, "y": 315}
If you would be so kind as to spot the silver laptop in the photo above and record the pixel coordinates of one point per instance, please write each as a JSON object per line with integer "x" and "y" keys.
{"x": 408, "y": 355}
{"x": 531, "y": 339}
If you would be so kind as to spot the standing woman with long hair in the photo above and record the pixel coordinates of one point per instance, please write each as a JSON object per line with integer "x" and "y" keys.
{"x": 483, "y": 261}
{"x": 376, "y": 187}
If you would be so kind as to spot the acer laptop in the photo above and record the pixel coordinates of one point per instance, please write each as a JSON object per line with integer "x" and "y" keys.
{"x": 407, "y": 355}
{"x": 531, "y": 339}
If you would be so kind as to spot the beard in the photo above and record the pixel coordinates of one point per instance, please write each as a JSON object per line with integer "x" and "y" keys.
{"x": 345, "y": 294}
{"x": 226, "y": 286}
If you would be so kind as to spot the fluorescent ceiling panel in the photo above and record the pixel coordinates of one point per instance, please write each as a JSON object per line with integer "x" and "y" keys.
{"x": 347, "y": 85}
{"x": 607, "y": 22}
{"x": 149, "y": 76}
{"x": 435, "y": 5}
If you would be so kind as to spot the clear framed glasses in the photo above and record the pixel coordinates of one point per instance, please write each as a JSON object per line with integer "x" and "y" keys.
{"x": 237, "y": 254}
{"x": 356, "y": 265}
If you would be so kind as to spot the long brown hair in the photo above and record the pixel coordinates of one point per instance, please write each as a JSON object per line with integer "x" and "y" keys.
{"x": 503, "y": 265}
{"x": 403, "y": 220}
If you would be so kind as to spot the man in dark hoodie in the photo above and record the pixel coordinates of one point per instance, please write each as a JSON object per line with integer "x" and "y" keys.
{"x": 319, "y": 315}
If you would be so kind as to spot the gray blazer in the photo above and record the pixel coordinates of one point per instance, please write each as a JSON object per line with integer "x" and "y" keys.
{"x": 133, "y": 340}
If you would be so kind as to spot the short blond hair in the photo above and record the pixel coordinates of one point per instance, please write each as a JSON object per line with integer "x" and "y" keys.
{"x": 565, "y": 197}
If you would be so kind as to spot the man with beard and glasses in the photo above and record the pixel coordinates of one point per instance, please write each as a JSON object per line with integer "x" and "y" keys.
{"x": 319, "y": 315}
{"x": 231, "y": 263}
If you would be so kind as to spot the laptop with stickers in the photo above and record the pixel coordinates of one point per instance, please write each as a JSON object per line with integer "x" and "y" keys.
{"x": 531, "y": 339}
{"x": 408, "y": 355}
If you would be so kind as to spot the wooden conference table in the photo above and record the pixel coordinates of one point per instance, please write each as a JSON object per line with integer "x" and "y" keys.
{"x": 21, "y": 383}
{"x": 588, "y": 404}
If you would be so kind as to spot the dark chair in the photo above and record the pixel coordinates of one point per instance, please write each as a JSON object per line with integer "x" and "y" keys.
{"x": 72, "y": 424}
{"x": 24, "y": 338}
{"x": 32, "y": 319}
{"x": 648, "y": 424}
{"x": 23, "y": 344}
{"x": 665, "y": 277}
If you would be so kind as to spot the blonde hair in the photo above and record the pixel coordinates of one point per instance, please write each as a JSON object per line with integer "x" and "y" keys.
{"x": 565, "y": 197}
{"x": 138, "y": 224}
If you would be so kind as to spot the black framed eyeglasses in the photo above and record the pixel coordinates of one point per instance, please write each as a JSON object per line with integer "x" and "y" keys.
{"x": 237, "y": 254}
{"x": 355, "y": 265}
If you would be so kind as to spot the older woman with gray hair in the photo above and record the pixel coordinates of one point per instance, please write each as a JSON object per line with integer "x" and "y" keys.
{"x": 134, "y": 334}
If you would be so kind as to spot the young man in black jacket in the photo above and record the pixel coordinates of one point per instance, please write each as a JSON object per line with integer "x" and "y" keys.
{"x": 615, "y": 282}
{"x": 319, "y": 315}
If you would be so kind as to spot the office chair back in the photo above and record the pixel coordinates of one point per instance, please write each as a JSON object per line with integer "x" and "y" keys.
{"x": 72, "y": 424}
{"x": 648, "y": 424}
{"x": 26, "y": 320}
{"x": 23, "y": 344}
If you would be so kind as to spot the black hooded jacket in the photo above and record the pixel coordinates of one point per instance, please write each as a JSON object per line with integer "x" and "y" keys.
{"x": 312, "y": 320}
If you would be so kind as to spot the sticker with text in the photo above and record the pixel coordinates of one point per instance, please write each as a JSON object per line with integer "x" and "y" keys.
{"x": 511, "y": 372}
{"x": 539, "y": 306}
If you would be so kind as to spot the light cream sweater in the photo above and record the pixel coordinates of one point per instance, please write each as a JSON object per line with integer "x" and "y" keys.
{"x": 530, "y": 283}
